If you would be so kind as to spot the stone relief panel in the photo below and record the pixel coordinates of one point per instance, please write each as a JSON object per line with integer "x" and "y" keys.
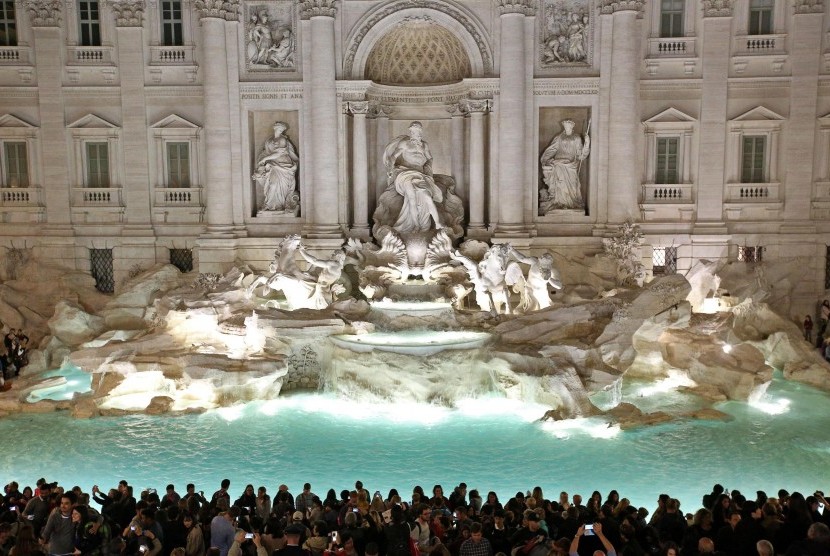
{"x": 565, "y": 34}
{"x": 275, "y": 163}
{"x": 564, "y": 155}
{"x": 270, "y": 36}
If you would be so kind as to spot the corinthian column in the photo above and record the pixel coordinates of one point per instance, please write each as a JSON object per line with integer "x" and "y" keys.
{"x": 477, "y": 109}
{"x": 457, "y": 117}
{"x": 624, "y": 112}
{"x": 219, "y": 208}
{"x": 360, "y": 169}
{"x": 512, "y": 110}
{"x": 322, "y": 222}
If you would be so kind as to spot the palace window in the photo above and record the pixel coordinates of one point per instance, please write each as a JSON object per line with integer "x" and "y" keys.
{"x": 750, "y": 254}
{"x": 89, "y": 23}
{"x": 760, "y": 16}
{"x": 753, "y": 159}
{"x": 178, "y": 164}
{"x": 172, "y": 24}
{"x": 664, "y": 260}
{"x": 667, "y": 160}
{"x": 97, "y": 165}
{"x": 8, "y": 24}
{"x": 177, "y": 152}
{"x": 15, "y": 164}
{"x": 671, "y": 18}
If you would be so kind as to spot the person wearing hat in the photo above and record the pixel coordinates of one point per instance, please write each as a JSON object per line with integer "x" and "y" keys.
{"x": 530, "y": 539}
{"x": 297, "y": 518}
{"x": 293, "y": 547}
{"x": 223, "y": 530}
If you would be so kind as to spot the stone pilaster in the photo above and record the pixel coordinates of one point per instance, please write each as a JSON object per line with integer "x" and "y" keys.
{"x": 624, "y": 110}
{"x": 360, "y": 167}
{"x": 805, "y": 63}
{"x": 137, "y": 186}
{"x": 322, "y": 222}
{"x": 477, "y": 110}
{"x": 219, "y": 209}
{"x": 715, "y": 44}
{"x": 512, "y": 117}
{"x": 381, "y": 114}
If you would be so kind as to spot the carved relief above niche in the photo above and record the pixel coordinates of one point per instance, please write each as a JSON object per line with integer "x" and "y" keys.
{"x": 567, "y": 29}
{"x": 270, "y": 36}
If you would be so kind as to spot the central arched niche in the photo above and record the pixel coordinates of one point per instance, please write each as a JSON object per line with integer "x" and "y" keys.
{"x": 418, "y": 51}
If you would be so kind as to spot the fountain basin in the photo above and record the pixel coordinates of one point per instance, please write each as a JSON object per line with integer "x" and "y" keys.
{"x": 394, "y": 309}
{"x": 414, "y": 342}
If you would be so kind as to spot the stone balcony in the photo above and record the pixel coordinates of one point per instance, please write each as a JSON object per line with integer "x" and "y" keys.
{"x": 21, "y": 204}
{"x": 15, "y": 56}
{"x": 667, "y": 202}
{"x": 767, "y": 53}
{"x": 172, "y": 55}
{"x": 674, "y": 56}
{"x": 97, "y": 205}
{"x": 178, "y": 205}
{"x": 90, "y": 56}
{"x": 752, "y": 201}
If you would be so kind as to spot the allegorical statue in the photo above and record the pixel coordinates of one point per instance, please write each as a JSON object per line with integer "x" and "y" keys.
{"x": 409, "y": 168}
{"x": 561, "y": 163}
{"x": 276, "y": 172}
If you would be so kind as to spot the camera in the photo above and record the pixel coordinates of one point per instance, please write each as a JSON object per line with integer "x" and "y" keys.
{"x": 143, "y": 548}
{"x": 589, "y": 529}
{"x": 12, "y": 508}
{"x": 249, "y": 535}
{"x": 30, "y": 517}
{"x": 132, "y": 527}
{"x": 355, "y": 510}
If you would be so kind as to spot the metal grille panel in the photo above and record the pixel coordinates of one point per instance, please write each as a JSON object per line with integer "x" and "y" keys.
{"x": 664, "y": 260}
{"x": 100, "y": 261}
{"x": 182, "y": 259}
{"x": 750, "y": 254}
{"x": 827, "y": 268}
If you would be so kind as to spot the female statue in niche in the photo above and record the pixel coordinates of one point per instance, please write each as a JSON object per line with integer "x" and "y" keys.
{"x": 276, "y": 172}
{"x": 561, "y": 163}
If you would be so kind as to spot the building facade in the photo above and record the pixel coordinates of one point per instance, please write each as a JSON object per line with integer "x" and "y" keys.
{"x": 143, "y": 131}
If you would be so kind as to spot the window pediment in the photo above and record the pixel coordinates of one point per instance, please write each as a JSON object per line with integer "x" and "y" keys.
{"x": 10, "y": 121}
{"x": 91, "y": 121}
{"x": 174, "y": 121}
{"x": 670, "y": 119}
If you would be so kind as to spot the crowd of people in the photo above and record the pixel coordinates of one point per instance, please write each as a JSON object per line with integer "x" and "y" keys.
{"x": 51, "y": 520}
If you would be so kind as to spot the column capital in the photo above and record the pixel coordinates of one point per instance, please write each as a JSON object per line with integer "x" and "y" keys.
{"x": 524, "y": 7}
{"x": 808, "y": 6}
{"x": 377, "y": 110}
{"x": 358, "y": 107}
{"x": 44, "y": 13}
{"x": 312, "y": 8}
{"x": 718, "y": 8}
{"x": 456, "y": 110}
{"x": 128, "y": 13}
{"x": 219, "y": 9}
{"x": 474, "y": 106}
{"x": 614, "y": 6}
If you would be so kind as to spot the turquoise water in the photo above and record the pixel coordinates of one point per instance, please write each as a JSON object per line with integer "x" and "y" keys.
{"x": 490, "y": 444}
{"x": 76, "y": 380}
